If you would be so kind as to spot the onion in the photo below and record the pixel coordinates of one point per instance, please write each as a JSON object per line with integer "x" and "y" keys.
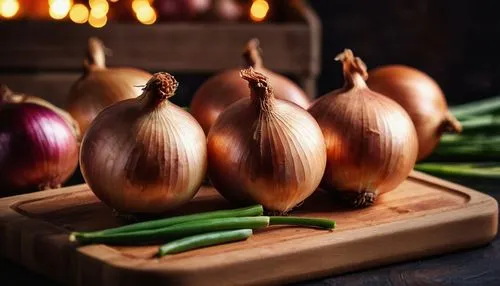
{"x": 8, "y": 96}
{"x": 225, "y": 88}
{"x": 100, "y": 86}
{"x": 422, "y": 98}
{"x": 174, "y": 10}
{"x": 38, "y": 146}
{"x": 265, "y": 150}
{"x": 227, "y": 10}
{"x": 370, "y": 139}
{"x": 146, "y": 154}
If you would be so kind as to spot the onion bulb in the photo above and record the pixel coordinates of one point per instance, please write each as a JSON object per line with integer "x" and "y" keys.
{"x": 8, "y": 96}
{"x": 38, "y": 145}
{"x": 145, "y": 154}
{"x": 175, "y": 10}
{"x": 227, "y": 87}
{"x": 422, "y": 98}
{"x": 371, "y": 142}
{"x": 226, "y": 10}
{"x": 100, "y": 86}
{"x": 265, "y": 150}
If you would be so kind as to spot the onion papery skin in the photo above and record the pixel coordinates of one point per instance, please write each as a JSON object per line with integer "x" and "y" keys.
{"x": 144, "y": 155}
{"x": 371, "y": 142}
{"x": 38, "y": 149}
{"x": 423, "y": 100}
{"x": 100, "y": 86}
{"x": 227, "y": 87}
{"x": 275, "y": 157}
{"x": 8, "y": 96}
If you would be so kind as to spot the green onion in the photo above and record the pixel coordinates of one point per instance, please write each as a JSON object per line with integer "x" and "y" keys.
{"x": 482, "y": 170}
{"x": 198, "y": 227}
{"x": 302, "y": 221}
{"x": 204, "y": 240}
{"x": 255, "y": 210}
{"x": 174, "y": 231}
{"x": 479, "y": 107}
{"x": 481, "y": 124}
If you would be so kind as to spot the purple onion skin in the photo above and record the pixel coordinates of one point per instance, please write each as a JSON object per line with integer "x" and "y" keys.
{"x": 37, "y": 148}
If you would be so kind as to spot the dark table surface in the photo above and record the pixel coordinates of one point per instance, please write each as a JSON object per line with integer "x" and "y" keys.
{"x": 480, "y": 266}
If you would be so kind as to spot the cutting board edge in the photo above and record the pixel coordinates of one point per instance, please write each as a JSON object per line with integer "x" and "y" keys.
{"x": 486, "y": 214}
{"x": 483, "y": 203}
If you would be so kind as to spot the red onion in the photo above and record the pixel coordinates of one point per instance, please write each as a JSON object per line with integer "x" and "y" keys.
{"x": 38, "y": 148}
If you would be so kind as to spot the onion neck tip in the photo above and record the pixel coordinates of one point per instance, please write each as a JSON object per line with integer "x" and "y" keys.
{"x": 451, "y": 124}
{"x": 260, "y": 89}
{"x": 163, "y": 85}
{"x": 252, "y": 53}
{"x": 354, "y": 69}
{"x": 96, "y": 55}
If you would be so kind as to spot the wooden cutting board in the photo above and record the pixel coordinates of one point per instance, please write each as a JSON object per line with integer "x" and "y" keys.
{"x": 424, "y": 216}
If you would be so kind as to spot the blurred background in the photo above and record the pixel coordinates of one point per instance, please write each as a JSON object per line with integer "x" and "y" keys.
{"x": 44, "y": 42}
{"x": 452, "y": 41}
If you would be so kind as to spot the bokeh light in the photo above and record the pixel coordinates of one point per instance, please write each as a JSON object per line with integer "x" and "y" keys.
{"x": 79, "y": 13}
{"x": 97, "y": 22}
{"x": 9, "y": 8}
{"x": 58, "y": 9}
{"x": 259, "y": 10}
{"x": 99, "y": 8}
{"x": 146, "y": 15}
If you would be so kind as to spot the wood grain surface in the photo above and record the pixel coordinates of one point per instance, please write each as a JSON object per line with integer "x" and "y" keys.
{"x": 424, "y": 216}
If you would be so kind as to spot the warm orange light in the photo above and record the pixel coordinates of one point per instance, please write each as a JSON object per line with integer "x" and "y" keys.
{"x": 138, "y": 4}
{"x": 9, "y": 8}
{"x": 79, "y": 13}
{"x": 114, "y": 1}
{"x": 146, "y": 14}
{"x": 259, "y": 10}
{"x": 97, "y": 22}
{"x": 99, "y": 8}
{"x": 59, "y": 8}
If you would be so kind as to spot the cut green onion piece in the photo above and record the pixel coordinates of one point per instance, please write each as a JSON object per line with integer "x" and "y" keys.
{"x": 302, "y": 221}
{"x": 204, "y": 240}
{"x": 174, "y": 231}
{"x": 198, "y": 227}
{"x": 255, "y": 210}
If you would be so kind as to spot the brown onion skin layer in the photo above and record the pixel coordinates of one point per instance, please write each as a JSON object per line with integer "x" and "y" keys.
{"x": 421, "y": 97}
{"x": 144, "y": 155}
{"x": 370, "y": 139}
{"x": 227, "y": 87}
{"x": 274, "y": 158}
{"x": 100, "y": 86}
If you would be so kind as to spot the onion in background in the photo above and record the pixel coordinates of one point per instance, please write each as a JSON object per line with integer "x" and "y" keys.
{"x": 100, "y": 87}
{"x": 422, "y": 98}
{"x": 227, "y": 87}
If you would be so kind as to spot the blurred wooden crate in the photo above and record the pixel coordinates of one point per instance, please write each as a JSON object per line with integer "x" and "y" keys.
{"x": 45, "y": 58}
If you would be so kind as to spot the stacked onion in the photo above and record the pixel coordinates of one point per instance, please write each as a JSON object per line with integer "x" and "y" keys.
{"x": 225, "y": 88}
{"x": 370, "y": 139}
{"x": 38, "y": 143}
{"x": 265, "y": 150}
{"x": 101, "y": 86}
